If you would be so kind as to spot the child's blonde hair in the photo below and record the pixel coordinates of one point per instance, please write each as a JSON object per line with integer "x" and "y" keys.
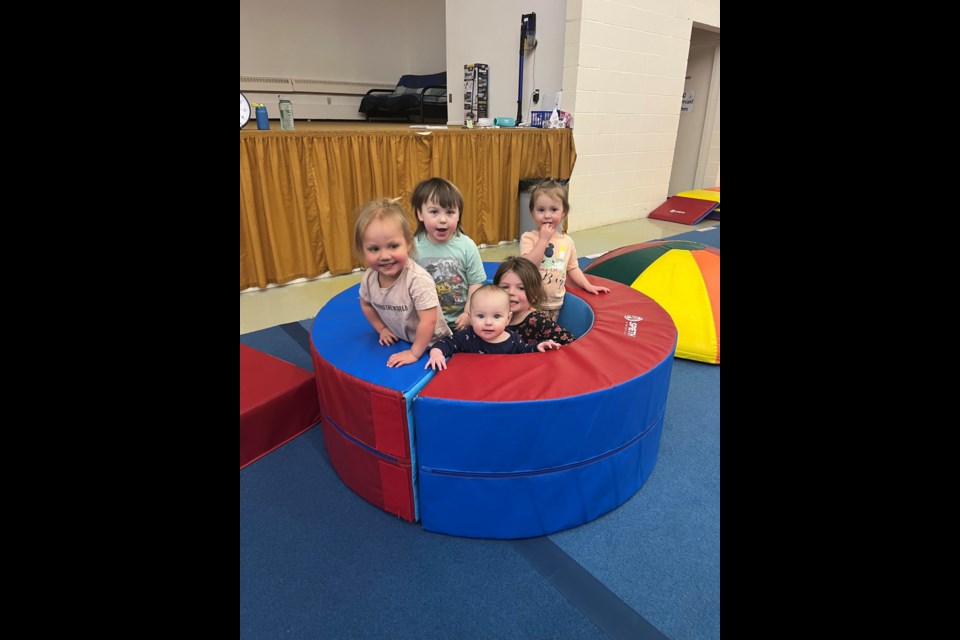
{"x": 491, "y": 288}
{"x": 382, "y": 209}
{"x": 555, "y": 190}
{"x": 529, "y": 276}
{"x": 441, "y": 191}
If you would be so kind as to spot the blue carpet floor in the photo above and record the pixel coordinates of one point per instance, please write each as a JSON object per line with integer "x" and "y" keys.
{"x": 317, "y": 561}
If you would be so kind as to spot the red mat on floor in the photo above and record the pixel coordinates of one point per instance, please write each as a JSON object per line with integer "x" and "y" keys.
{"x": 683, "y": 210}
{"x": 278, "y": 402}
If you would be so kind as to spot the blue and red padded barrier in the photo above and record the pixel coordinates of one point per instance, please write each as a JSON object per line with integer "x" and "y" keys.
{"x": 499, "y": 446}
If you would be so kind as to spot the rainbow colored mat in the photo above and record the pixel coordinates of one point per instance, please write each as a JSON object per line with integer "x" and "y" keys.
{"x": 684, "y": 278}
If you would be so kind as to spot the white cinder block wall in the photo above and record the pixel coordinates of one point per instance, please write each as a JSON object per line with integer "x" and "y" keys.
{"x": 623, "y": 77}
{"x": 711, "y": 177}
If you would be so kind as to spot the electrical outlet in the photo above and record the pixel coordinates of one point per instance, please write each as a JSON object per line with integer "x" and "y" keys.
{"x": 451, "y": 98}
{"x": 536, "y": 96}
{"x": 329, "y": 100}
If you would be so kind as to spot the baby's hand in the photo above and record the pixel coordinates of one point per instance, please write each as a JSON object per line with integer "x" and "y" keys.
{"x": 387, "y": 337}
{"x": 547, "y": 230}
{"x": 547, "y": 344}
{"x": 595, "y": 290}
{"x": 436, "y": 362}
{"x": 402, "y": 358}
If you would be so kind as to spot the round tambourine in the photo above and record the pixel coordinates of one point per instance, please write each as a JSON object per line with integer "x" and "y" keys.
{"x": 244, "y": 110}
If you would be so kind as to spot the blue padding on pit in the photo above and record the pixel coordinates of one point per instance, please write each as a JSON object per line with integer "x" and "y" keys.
{"x": 507, "y": 437}
{"x": 344, "y": 338}
{"x": 537, "y": 504}
{"x": 491, "y": 269}
{"x": 408, "y": 398}
{"x": 576, "y": 316}
{"x": 522, "y": 469}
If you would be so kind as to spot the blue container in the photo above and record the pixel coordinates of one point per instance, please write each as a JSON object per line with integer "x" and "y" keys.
{"x": 262, "y": 122}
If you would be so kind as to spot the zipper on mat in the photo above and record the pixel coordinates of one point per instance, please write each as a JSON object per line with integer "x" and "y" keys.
{"x": 357, "y": 442}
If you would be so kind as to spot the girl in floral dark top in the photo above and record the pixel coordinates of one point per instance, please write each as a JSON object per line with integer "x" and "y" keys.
{"x": 522, "y": 281}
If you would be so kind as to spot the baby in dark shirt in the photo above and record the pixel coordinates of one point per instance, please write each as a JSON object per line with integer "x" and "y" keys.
{"x": 489, "y": 316}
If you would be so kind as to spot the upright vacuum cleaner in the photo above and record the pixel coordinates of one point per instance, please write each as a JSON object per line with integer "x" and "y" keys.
{"x": 528, "y": 42}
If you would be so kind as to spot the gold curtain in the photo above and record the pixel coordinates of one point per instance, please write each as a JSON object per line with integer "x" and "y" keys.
{"x": 299, "y": 191}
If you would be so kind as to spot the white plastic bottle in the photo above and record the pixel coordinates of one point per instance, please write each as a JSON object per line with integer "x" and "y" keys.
{"x": 286, "y": 113}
